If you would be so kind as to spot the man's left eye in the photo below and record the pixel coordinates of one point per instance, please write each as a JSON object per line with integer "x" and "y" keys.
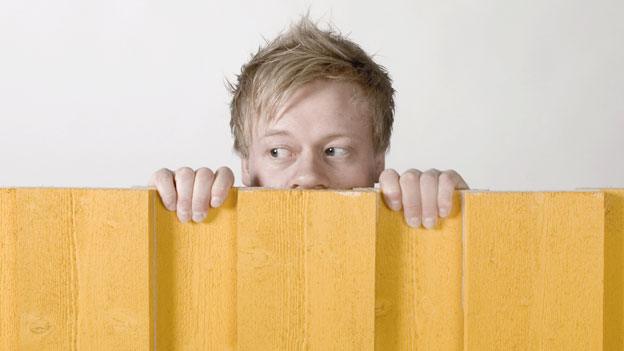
{"x": 336, "y": 151}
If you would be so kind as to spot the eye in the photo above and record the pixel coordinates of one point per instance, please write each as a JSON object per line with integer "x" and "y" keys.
{"x": 335, "y": 151}
{"x": 275, "y": 152}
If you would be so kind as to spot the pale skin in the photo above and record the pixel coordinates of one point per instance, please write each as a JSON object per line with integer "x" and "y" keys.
{"x": 321, "y": 138}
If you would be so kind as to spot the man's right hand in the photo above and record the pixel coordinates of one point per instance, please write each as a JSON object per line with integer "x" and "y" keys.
{"x": 192, "y": 193}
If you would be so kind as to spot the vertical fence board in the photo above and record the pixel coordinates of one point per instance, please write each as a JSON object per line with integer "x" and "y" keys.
{"x": 306, "y": 270}
{"x": 271, "y": 270}
{"x": 196, "y": 279}
{"x": 112, "y": 241}
{"x": 79, "y": 275}
{"x": 614, "y": 270}
{"x": 9, "y": 320}
{"x": 533, "y": 271}
{"x": 45, "y": 271}
{"x": 340, "y": 263}
{"x": 418, "y": 283}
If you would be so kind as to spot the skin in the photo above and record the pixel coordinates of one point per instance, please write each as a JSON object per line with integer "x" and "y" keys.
{"x": 321, "y": 138}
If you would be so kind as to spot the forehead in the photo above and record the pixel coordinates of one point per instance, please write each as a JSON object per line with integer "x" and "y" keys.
{"x": 321, "y": 107}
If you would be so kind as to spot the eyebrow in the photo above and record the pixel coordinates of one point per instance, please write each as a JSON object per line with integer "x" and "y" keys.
{"x": 274, "y": 132}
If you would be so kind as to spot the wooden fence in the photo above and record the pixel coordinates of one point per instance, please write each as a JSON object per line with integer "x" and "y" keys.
{"x": 107, "y": 269}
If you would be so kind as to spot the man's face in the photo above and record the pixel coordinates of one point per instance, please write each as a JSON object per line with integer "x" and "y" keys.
{"x": 321, "y": 138}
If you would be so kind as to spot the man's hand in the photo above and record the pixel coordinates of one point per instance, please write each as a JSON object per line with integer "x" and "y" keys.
{"x": 422, "y": 195}
{"x": 186, "y": 190}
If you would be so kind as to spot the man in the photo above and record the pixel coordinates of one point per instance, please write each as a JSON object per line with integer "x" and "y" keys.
{"x": 312, "y": 110}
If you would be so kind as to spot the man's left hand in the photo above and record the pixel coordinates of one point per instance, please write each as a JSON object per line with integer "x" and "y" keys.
{"x": 422, "y": 195}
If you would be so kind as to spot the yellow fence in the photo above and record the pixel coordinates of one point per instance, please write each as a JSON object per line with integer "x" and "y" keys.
{"x": 105, "y": 269}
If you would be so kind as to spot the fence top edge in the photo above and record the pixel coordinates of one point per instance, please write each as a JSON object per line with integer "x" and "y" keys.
{"x": 376, "y": 190}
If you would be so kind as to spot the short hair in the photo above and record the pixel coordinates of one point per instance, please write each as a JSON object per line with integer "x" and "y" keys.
{"x": 298, "y": 56}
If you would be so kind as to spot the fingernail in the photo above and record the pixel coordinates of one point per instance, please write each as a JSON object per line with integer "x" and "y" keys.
{"x": 396, "y": 205}
{"x": 216, "y": 202}
{"x": 414, "y": 222}
{"x": 429, "y": 222}
{"x": 183, "y": 216}
{"x": 444, "y": 212}
{"x": 171, "y": 206}
{"x": 198, "y": 216}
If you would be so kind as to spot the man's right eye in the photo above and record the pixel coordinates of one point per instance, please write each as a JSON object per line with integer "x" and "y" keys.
{"x": 275, "y": 152}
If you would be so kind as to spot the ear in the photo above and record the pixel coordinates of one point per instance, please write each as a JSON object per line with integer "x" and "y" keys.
{"x": 245, "y": 171}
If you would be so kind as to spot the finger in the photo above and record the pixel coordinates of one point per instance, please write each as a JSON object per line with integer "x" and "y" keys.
{"x": 429, "y": 196}
{"x": 410, "y": 189}
{"x": 390, "y": 188}
{"x": 201, "y": 193}
{"x": 461, "y": 183}
{"x": 163, "y": 180}
{"x": 224, "y": 179}
{"x": 447, "y": 183}
{"x": 184, "y": 178}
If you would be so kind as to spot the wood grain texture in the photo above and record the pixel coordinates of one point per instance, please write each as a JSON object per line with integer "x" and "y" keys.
{"x": 9, "y": 318}
{"x": 196, "y": 279}
{"x": 614, "y": 270}
{"x": 75, "y": 264}
{"x": 533, "y": 271}
{"x": 108, "y": 269}
{"x": 418, "y": 283}
{"x": 306, "y": 270}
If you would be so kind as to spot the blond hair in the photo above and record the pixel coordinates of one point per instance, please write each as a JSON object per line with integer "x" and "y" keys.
{"x": 302, "y": 54}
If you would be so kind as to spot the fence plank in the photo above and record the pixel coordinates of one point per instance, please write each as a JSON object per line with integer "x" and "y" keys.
{"x": 113, "y": 241}
{"x": 306, "y": 270}
{"x": 418, "y": 283}
{"x": 535, "y": 279}
{"x": 196, "y": 279}
{"x": 9, "y": 319}
{"x": 77, "y": 269}
{"x": 614, "y": 270}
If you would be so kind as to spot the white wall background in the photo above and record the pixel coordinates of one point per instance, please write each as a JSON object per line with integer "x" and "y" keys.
{"x": 514, "y": 95}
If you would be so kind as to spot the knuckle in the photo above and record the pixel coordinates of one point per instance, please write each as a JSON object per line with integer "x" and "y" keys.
{"x": 445, "y": 179}
{"x": 204, "y": 169}
{"x": 427, "y": 178}
{"x": 162, "y": 171}
{"x": 162, "y": 175}
{"x": 451, "y": 172}
{"x": 412, "y": 170}
{"x": 433, "y": 171}
{"x": 184, "y": 172}
{"x": 410, "y": 177}
{"x": 205, "y": 173}
{"x": 388, "y": 173}
{"x": 227, "y": 176}
{"x": 224, "y": 169}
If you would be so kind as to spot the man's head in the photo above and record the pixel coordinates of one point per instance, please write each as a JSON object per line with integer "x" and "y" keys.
{"x": 311, "y": 110}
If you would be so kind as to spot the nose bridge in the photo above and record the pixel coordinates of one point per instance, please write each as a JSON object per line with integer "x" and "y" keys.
{"x": 309, "y": 172}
